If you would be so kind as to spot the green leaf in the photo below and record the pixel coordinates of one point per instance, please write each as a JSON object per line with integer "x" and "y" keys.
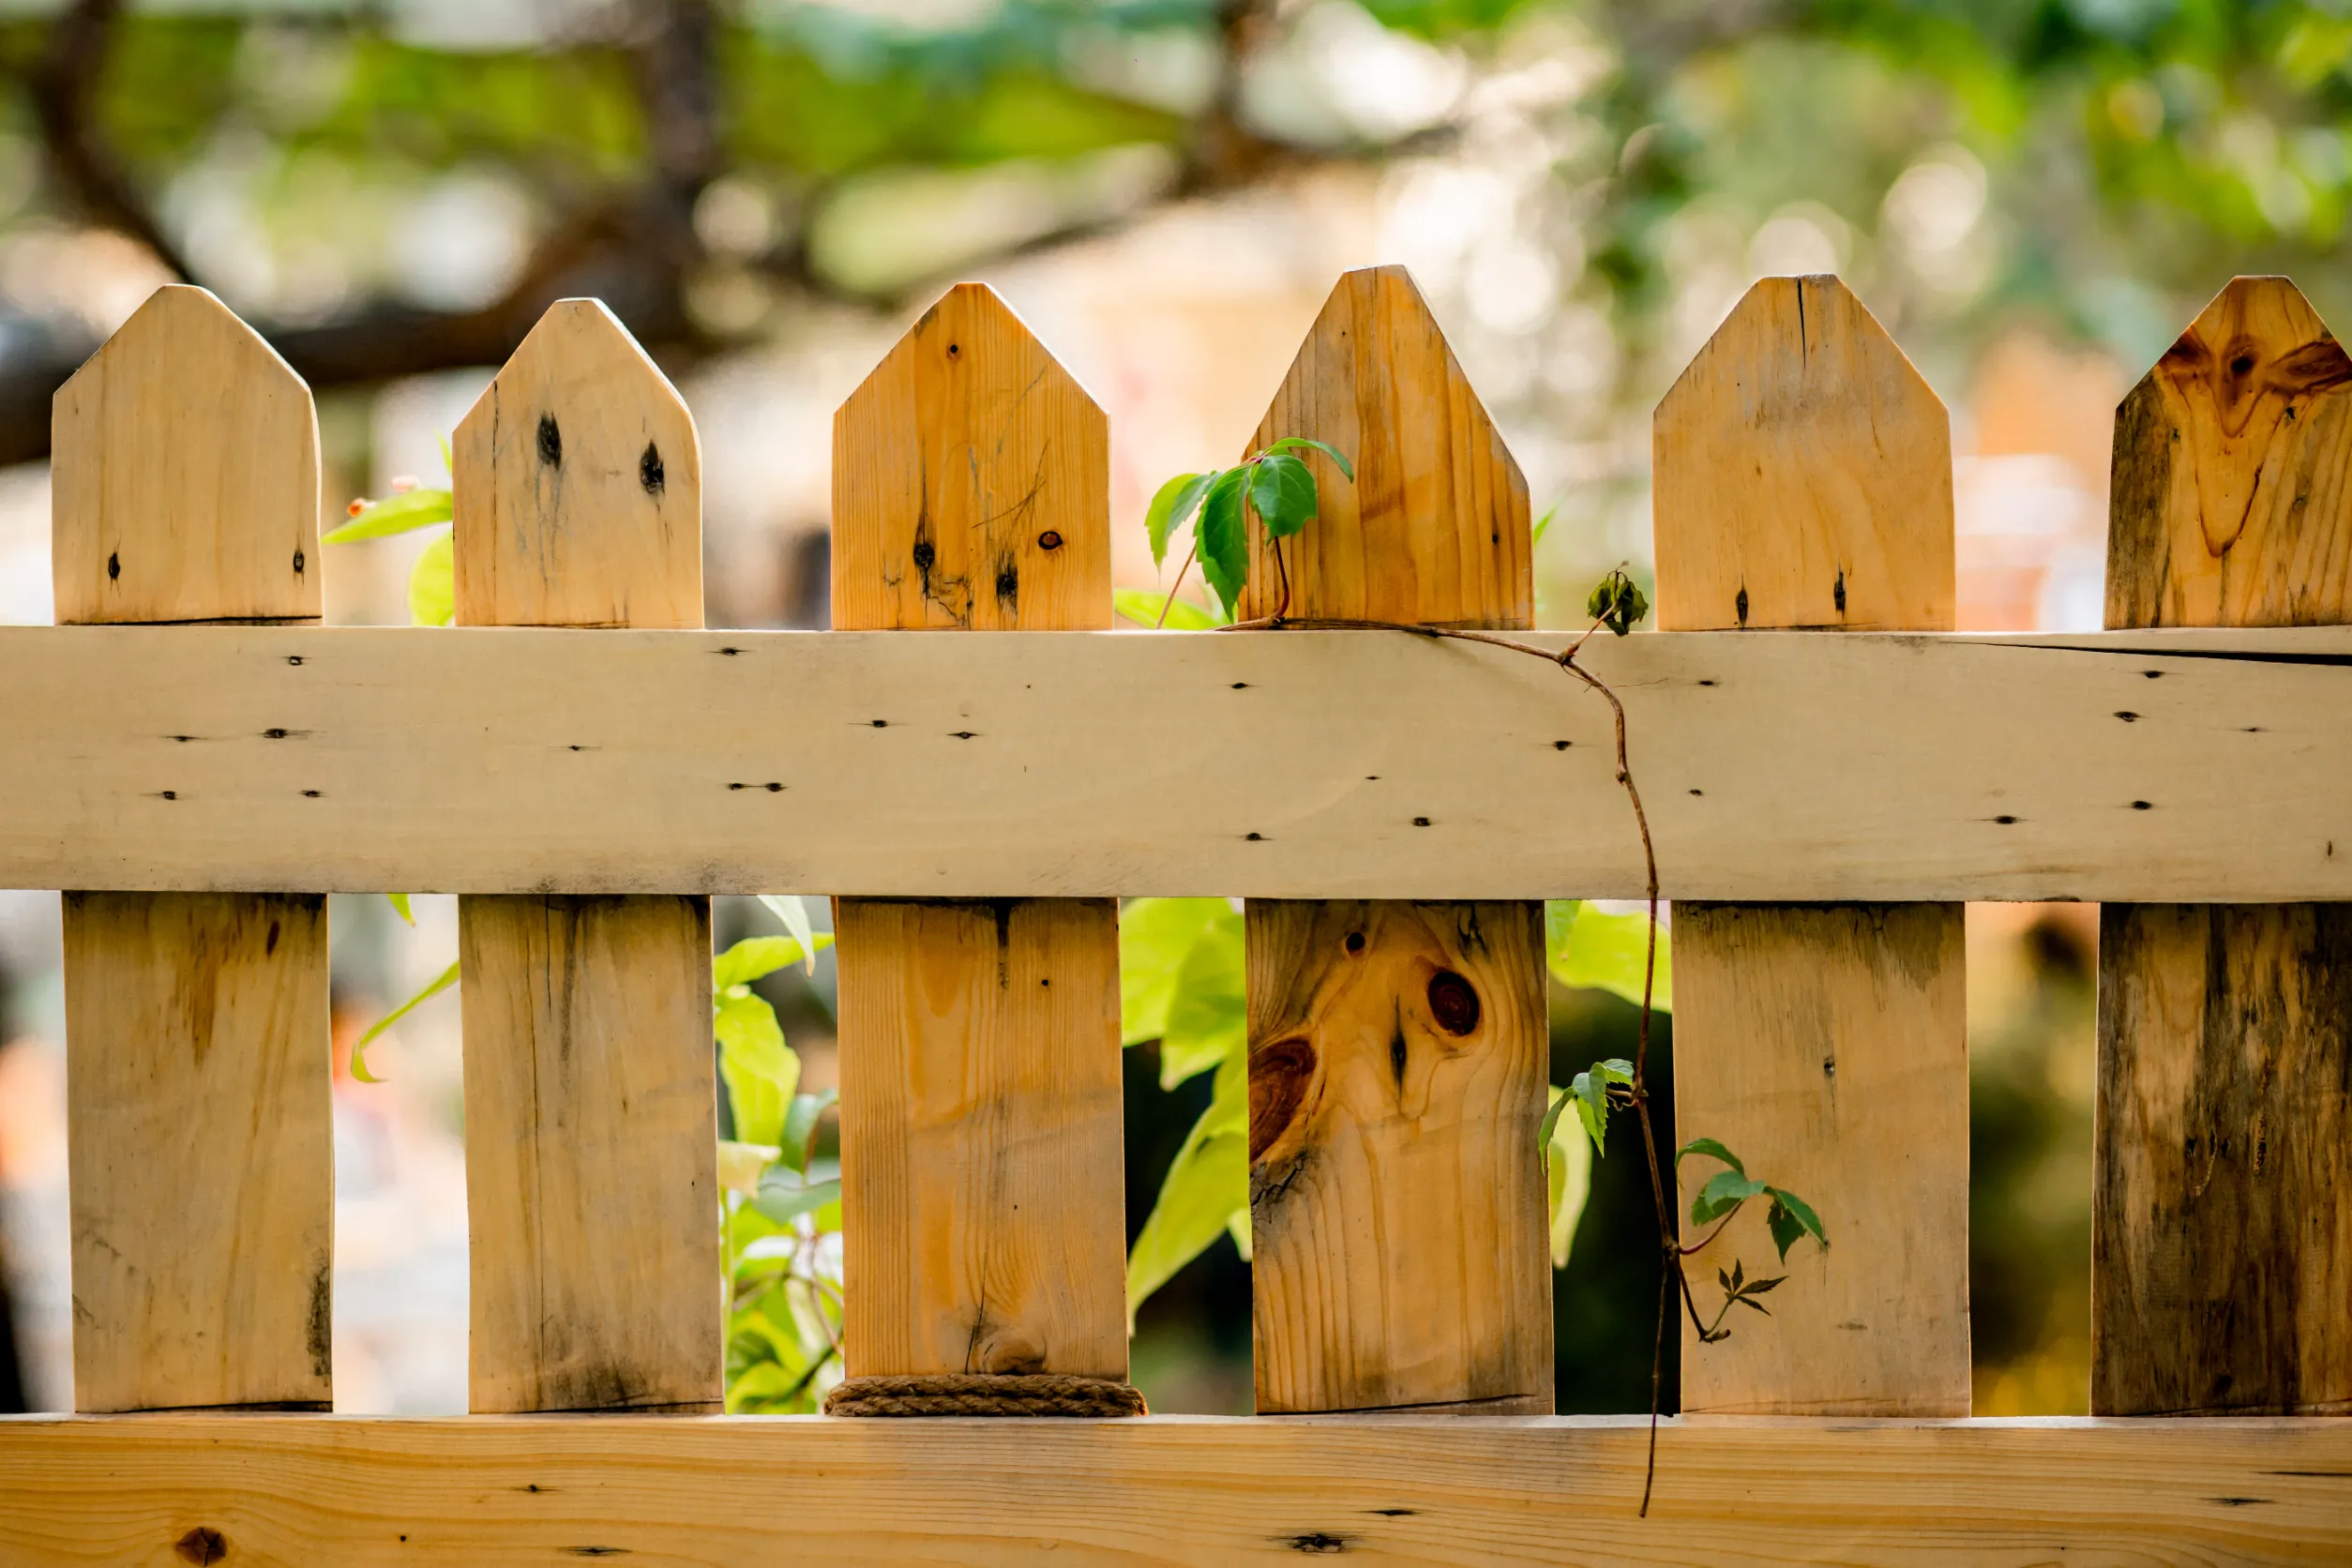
{"x": 1206, "y": 1192}
{"x": 433, "y": 587}
{"x": 1725, "y": 1191}
{"x": 1238, "y": 1227}
{"x": 740, "y": 1164}
{"x": 760, "y": 1070}
{"x": 394, "y": 514}
{"x": 448, "y": 463}
{"x": 756, "y": 956}
{"x": 433, "y": 988}
{"x": 1789, "y": 1218}
{"x": 793, "y": 910}
{"x": 1710, "y": 1148}
{"x": 1299, "y": 443}
{"x": 1590, "y": 1092}
{"x": 1615, "y": 603}
{"x": 1535, "y": 534}
{"x": 1559, "y": 1103}
{"x": 1208, "y": 1018}
{"x": 799, "y": 1126}
{"x": 1592, "y": 949}
{"x": 1568, "y": 1175}
{"x": 1283, "y": 491}
{"x": 1223, "y": 541}
{"x": 1156, "y": 936}
{"x": 1170, "y": 506}
{"x": 399, "y": 907}
{"x": 784, "y": 1197}
{"x": 1142, "y": 606}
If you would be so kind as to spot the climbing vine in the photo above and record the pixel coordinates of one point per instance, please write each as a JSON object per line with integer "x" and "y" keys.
{"x": 1280, "y": 490}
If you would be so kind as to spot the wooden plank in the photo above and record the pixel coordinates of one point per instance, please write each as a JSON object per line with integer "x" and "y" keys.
{"x": 2221, "y": 1253}
{"x": 1398, "y": 1051}
{"x": 184, "y": 485}
{"x": 465, "y": 762}
{"x": 714, "y": 1491}
{"x": 197, "y": 1062}
{"x": 982, "y": 1145}
{"x": 591, "y": 1179}
{"x": 1826, "y": 1047}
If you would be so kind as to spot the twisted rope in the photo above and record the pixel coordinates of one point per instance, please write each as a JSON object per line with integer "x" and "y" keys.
{"x": 985, "y": 1394}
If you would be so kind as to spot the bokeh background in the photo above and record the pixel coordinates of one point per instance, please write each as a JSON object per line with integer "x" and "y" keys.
{"x": 2033, "y": 195}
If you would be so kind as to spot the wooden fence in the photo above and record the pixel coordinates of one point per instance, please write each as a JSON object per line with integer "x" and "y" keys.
{"x": 195, "y": 751}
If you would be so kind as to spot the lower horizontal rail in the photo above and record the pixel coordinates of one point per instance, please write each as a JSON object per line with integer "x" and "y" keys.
{"x": 285, "y": 1489}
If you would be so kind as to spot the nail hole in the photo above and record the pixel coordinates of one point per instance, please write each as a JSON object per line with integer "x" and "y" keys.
{"x": 2140, "y": 805}
{"x": 551, "y": 440}
{"x": 2242, "y": 365}
{"x": 2128, "y": 717}
{"x": 1561, "y": 746}
{"x": 649, "y": 469}
{"x": 298, "y": 559}
{"x": 1421, "y": 821}
{"x": 1253, "y": 837}
{"x": 2004, "y": 821}
{"x": 1355, "y": 942}
{"x": 1049, "y": 540}
{"x": 113, "y": 566}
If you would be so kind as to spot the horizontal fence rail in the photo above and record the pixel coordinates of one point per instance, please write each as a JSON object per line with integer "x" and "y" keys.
{"x": 492, "y": 1491}
{"x": 2174, "y": 766}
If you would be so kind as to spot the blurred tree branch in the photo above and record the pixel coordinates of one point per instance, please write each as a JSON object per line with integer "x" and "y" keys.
{"x": 635, "y": 247}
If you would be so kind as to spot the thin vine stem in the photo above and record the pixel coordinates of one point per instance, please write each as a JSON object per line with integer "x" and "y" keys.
{"x": 1673, "y": 1276}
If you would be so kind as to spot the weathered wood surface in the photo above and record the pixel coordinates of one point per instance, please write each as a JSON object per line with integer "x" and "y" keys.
{"x": 1830, "y": 767}
{"x": 1827, "y": 1045}
{"x": 1805, "y": 477}
{"x": 198, "y": 1119}
{"x": 579, "y": 486}
{"x": 753, "y": 1491}
{"x": 1397, "y": 1052}
{"x": 2222, "y": 1270}
{"x": 186, "y": 478}
{"x": 1802, "y": 474}
{"x": 201, "y": 1150}
{"x": 1433, "y": 530}
{"x": 1395, "y": 1177}
{"x": 971, "y": 483}
{"x": 591, "y": 1181}
{"x": 982, "y": 1143}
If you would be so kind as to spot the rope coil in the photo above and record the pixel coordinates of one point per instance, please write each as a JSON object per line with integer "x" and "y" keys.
{"x": 985, "y": 1394}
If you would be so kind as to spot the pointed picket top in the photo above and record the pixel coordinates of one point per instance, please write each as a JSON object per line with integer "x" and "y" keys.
{"x": 1435, "y": 528}
{"x": 185, "y": 473}
{"x": 971, "y": 483}
{"x": 1801, "y": 473}
{"x": 578, "y": 485}
{"x": 2229, "y": 505}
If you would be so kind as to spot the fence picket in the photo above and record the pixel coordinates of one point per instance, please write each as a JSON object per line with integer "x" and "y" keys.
{"x": 1804, "y": 478}
{"x": 199, "y": 1123}
{"x": 2221, "y": 1253}
{"x": 982, "y": 1144}
{"x": 591, "y": 1151}
{"x": 1398, "y": 1049}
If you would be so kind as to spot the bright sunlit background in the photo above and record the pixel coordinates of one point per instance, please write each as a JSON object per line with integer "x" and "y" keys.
{"x": 2034, "y": 196}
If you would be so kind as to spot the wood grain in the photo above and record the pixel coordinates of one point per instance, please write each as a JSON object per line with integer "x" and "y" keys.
{"x": 983, "y": 1217}
{"x": 1433, "y": 530}
{"x": 591, "y": 1181}
{"x": 971, "y": 483}
{"x": 2221, "y": 1251}
{"x": 579, "y": 486}
{"x": 201, "y": 1150}
{"x": 1804, "y": 476}
{"x": 464, "y": 761}
{"x": 1826, "y": 1044}
{"x": 1398, "y": 1051}
{"x": 746, "y": 1492}
{"x": 203, "y": 1171}
{"x": 184, "y": 485}
{"x": 982, "y": 1143}
{"x": 1396, "y": 1088}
